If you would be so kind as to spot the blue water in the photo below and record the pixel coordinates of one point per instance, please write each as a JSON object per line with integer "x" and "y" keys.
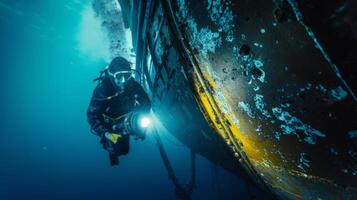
{"x": 46, "y": 149}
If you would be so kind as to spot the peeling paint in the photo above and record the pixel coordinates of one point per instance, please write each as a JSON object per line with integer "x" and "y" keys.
{"x": 353, "y": 154}
{"x": 277, "y": 135}
{"x": 222, "y": 17}
{"x": 204, "y": 39}
{"x": 259, "y": 64}
{"x": 261, "y": 106}
{"x": 338, "y": 94}
{"x": 246, "y": 108}
{"x": 333, "y": 151}
{"x": 353, "y": 134}
{"x": 304, "y": 162}
{"x": 258, "y": 45}
{"x": 293, "y": 125}
{"x": 354, "y": 173}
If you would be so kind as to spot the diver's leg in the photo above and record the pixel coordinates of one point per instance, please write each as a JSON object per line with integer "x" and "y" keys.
{"x": 114, "y": 159}
{"x": 125, "y": 146}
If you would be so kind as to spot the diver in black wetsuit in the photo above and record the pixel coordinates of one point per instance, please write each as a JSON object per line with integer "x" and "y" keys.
{"x": 116, "y": 97}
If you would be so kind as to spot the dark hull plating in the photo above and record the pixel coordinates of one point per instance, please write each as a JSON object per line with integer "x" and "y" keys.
{"x": 279, "y": 78}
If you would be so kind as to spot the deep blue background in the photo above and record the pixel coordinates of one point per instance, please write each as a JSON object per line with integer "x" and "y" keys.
{"x": 46, "y": 150}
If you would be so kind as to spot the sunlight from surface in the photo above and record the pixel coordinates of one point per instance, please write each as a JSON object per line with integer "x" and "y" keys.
{"x": 92, "y": 40}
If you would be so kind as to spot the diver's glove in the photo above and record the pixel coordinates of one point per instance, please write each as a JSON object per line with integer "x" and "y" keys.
{"x": 113, "y": 137}
{"x": 109, "y": 140}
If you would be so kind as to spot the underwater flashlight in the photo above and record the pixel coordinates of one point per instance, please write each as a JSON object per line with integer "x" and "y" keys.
{"x": 145, "y": 122}
{"x": 138, "y": 124}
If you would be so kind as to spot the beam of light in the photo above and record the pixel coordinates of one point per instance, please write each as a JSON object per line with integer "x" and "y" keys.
{"x": 145, "y": 122}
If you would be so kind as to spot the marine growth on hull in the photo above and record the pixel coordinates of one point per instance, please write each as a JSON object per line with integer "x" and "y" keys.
{"x": 272, "y": 84}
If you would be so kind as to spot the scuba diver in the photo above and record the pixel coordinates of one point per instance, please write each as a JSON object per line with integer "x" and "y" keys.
{"x": 117, "y": 103}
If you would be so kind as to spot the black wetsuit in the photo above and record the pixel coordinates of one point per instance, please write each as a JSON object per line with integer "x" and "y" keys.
{"x": 107, "y": 107}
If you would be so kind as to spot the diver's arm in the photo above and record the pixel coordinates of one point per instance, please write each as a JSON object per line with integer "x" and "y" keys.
{"x": 95, "y": 111}
{"x": 145, "y": 103}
